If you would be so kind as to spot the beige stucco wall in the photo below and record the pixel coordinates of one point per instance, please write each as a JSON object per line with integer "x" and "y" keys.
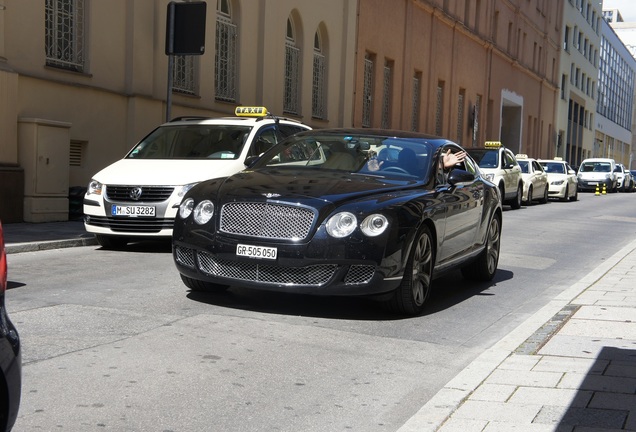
{"x": 121, "y": 95}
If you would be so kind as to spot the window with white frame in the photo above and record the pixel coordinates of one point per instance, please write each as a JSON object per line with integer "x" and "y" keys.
{"x": 318, "y": 92}
{"x": 64, "y": 34}
{"x": 225, "y": 60}
{"x": 291, "y": 103}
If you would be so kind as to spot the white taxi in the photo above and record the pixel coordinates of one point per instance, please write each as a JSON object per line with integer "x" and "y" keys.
{"x": 563, "y": 183}
{"x": 500, "y": 167}
{"x": 535, "y": 180}
{"x": 139, "y": 195}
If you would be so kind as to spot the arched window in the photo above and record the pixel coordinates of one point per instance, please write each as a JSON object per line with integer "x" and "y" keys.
{"x": 225, "y": 61}
{"x": 318, "y": 109}
{"x": 292, "y": 71}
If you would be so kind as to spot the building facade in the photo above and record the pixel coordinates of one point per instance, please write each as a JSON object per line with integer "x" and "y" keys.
{"x": 579, "y": 62}
{"x": 626, "y": 32}
{"x": 615, "y": 103}
{"x": 472, "y": 71}
{"x": 81, "y": 81}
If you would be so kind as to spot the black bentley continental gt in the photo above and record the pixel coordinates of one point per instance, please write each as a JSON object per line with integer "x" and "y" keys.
{"x": 342, "y": 212}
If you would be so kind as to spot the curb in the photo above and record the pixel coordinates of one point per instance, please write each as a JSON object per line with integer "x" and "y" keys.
{"x": 47, "y": 245}
{"x": 448, "y": 399}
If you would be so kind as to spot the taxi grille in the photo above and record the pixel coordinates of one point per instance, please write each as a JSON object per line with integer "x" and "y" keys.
{"x": 148, "y": 193}
{"x": 131, "y": 225}
{"x": 313, "y": 275}
{"x": 273, "y": 221}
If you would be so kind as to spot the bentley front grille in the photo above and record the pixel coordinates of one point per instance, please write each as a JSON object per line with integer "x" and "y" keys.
{"x": 313, "y": 275}
{"x": 138, "y": 193}
{"x": 268, "y": 220}
{"x": 131, "y": 225}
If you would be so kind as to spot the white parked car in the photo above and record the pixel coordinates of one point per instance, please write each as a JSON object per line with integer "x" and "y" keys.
{"x": 139, "y": 195}
{"x": 535, "y": 180}
{"x": 597, "y": 172}
{"x": 500, "y": 167}
{"x": 624, "y": 180}
{"x": 562, "y": 180}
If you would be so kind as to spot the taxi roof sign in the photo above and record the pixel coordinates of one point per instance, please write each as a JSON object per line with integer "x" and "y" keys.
{"x": 493, "y": 144}
{"x": 250, "y": 111}
{"x": 521, "y": 156}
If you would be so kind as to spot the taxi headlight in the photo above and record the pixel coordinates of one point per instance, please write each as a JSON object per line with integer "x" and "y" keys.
{"x": 557, "y": 182}
{"x": 184, "y": 189}
{"x": 186, "y": 207}
{"x": 374, "y": 225}
{"x": 203, "y": 212}
{"x": 94, "y": 188}
{"x": 490, "y": 177}
{"x": 341, "y": 224}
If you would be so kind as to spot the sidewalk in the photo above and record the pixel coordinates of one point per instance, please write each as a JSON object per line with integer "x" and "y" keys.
{"x": 571, "y": 367}
{"x": 29, "y": 237}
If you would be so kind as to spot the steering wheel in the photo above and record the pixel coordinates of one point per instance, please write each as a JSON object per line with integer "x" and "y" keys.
{"x": 396, "y": 168}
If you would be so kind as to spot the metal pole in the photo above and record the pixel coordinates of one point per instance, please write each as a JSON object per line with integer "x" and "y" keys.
{"x": 169, "y": 95}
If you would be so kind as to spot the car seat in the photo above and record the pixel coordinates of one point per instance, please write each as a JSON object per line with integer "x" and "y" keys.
{"x": 407, "y": 160}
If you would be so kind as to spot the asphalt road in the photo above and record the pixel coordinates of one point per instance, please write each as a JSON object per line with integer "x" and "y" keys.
{"x": 114, "y": 340}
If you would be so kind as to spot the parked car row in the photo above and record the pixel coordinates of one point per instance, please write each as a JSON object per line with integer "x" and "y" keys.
{"x": 265, "y": 202}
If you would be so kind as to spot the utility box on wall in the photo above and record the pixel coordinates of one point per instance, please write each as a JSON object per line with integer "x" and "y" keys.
{"x": 43, "y": 152}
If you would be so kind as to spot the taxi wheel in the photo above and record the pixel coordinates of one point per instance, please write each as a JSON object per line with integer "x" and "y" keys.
{"x": 530, "y": 197}
{"x": 111, "y": 242}
{"x": 575, "y": 197}
{"x": 198, "y": 285}
{"x": 485, "y": 266}
{"x": 544, "y": 199}
{"x": 410, "y": 297}
{"x": 516, "y": 202}
{"x": 566, "y": 194}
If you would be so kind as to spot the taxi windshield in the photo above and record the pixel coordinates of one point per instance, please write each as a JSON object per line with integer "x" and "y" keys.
{"x": 485, "y": 158}
{"x": 374, "y": 155}
{"x": 553, "y": 167}
{"x": 192, "y": 142}
{"x": 524, "y": 166}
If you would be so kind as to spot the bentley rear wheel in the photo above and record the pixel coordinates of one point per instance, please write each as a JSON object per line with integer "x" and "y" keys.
{"x": 485, "y": 266}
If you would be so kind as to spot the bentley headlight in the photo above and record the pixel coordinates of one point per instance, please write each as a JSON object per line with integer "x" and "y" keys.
{"x": 341, "y": 224}
{"x": 94, "y": 188}
{"x": 203, "y": 212}
{"x": 186, "y": 207}
{"x": 374, "y": 225}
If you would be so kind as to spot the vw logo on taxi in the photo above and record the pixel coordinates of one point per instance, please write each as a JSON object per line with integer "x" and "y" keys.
{"x": 135, "y": 193}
